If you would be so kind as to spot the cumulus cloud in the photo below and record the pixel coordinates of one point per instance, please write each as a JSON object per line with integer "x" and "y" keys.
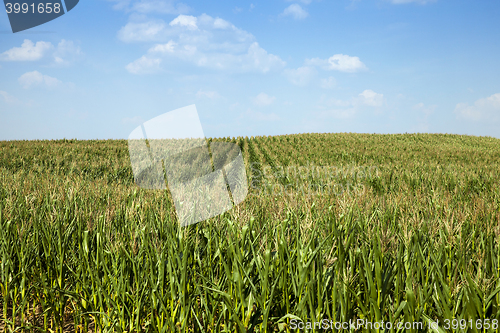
{"x": 295, "y": 11}
{"x": 185, "y": 21}
{"x": 371, "y": 98}
{"x": 221, "y": 24}
{"x": 258, "y": 59}
{"x": 207, "y": 94}
{"x": 144, "y": 65}
{"x": 142, "y": 31}
{"x": 425, "y": 110}
{"x": 66, "y": 53}
{"x": 36, "y": 78}
{"x": 163, "y": 48}
{"x": 203, "y": 29}
{"x": 345, "y": 63}
{"x": 7, "y": 98}
{"x": 338, "y": 62}
{"x": 484, "y": 109}
{"x": 204, "y": 42}
{"x": 300, "y": 76}
{"x": 342, "y": 109}
{"x": 28, "y": 51}
{"x": 263, "y": 99}
{"x": 328, "y": 83}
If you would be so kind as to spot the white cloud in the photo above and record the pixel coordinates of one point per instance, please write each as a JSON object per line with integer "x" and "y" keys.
{"x": 66, "y": 53}
{"x": 209, "y": 32}
{"x": 371, "y": 98}
{"x": 338, "y": 62}
{"x": 345, "y": 63}
{"x": 28, "y": 51}
{"x": 185, "y": 21}
{"x": 221, "y": 24}
{"x": 263, "y": 99}
{"x": 343, "y": 109}
{"x": 258, "y": 59}
{"x": 213, "y": 33}
{"x": 163, "y": 48}
{"x": 144, "y": 65}
{"x": 204, "y": 42}
{"x": 207, "y": 94}
{"x": 36, "y": 78}
{"x": 486, "y": 109}
{"x": 425, "y": 110}
{"x": 142, "y": 32}
{"x": 295, "y": 11}
{"x": 300, "y": 76}
{"x": 328, "y": 83}
{"x": 7, "y": 97}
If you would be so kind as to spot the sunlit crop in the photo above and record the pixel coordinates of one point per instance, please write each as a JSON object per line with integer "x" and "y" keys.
{"x": 375, "y": 227}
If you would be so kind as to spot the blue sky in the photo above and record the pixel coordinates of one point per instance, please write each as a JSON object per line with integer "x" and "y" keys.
{"x": 255, "y": 68}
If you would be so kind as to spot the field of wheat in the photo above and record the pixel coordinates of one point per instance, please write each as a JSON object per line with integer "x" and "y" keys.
{"x": 335, "y": 228}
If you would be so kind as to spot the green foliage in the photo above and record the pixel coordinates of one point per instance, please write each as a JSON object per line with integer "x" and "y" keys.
{"x": 412, "y": 237}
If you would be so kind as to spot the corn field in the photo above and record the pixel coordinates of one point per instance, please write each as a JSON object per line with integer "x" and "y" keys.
{"x": 338, "y": 227}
